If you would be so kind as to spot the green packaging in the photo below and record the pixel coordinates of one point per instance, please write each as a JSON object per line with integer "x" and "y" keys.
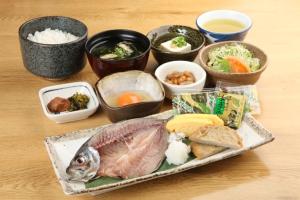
{"x": 229, "y": 107}
{"x": 252, "y": 102}
{"x": 202, "y": 102}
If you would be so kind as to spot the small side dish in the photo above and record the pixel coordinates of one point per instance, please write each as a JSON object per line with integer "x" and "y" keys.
{"x": 117, "y": 50}
{"x": 175, "y": 42}
{"x": 180, "y": 78}
{"x": 68, "y": 102}
{"x": 77, "y": 101}
{"x": 131, "y": 94}
{"x": 233, "y": 61}
{"x": 233, "y": 58}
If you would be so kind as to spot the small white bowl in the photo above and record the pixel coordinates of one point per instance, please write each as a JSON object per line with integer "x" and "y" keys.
{"x": 167, "y": 68}
{"x": 67, "y": 90}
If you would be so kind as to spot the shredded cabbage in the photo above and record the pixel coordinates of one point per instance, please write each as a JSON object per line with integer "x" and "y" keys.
{"x": 217, "y": 55}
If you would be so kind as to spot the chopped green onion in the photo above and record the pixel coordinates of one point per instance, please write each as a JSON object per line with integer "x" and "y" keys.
{"x": 120, "y": 52}
{"x": 179, "y": 41}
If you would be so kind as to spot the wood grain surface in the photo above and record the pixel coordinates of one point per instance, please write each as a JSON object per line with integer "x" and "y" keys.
{"x": 270, "y": 172}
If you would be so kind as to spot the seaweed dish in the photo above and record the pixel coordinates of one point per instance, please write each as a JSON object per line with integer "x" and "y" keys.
{"x": 116, "y": 50}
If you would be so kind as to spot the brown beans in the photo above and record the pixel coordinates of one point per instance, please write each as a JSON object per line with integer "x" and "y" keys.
{"x": 180, "y": 78}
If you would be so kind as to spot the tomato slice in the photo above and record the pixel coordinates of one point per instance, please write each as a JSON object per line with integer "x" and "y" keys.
{"x": 236, "y": 65}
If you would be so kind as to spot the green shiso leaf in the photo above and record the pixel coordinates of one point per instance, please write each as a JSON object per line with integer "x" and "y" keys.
{"x": 102, "y": 181}
{"x": 179, "y": 41}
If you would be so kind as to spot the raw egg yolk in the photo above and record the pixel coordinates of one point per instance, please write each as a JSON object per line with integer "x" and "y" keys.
{"x": 128, "y": 98}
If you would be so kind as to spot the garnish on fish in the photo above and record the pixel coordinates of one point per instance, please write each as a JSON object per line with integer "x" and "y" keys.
{"x": 127, "y": 149}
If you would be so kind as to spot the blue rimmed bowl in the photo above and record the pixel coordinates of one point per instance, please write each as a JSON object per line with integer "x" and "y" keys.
{"x": 224, "y": 14}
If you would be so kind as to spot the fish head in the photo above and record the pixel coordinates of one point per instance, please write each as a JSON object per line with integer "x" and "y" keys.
{"x": 84, "y": 166}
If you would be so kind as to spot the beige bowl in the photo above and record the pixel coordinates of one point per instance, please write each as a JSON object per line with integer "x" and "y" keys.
{"x": 239, "y": 78}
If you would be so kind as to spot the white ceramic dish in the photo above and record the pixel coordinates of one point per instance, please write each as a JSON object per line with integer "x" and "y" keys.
{"x": 66, "y": 90}
{"x": 167, "y": 68}
{"x": 224, "y": 14}
{"x": 61, "y": 150}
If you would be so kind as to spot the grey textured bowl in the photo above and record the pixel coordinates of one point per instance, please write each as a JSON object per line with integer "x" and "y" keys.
{"x": 53, "y": 61}
{"x": 167, "y": 32}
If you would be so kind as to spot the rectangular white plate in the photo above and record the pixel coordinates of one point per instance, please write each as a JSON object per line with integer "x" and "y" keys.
{"x": 46, "y": 94}
{"x": 62, "y": 148}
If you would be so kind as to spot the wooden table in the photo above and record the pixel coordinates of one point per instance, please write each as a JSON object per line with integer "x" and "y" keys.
{"x": 270, "y": 172}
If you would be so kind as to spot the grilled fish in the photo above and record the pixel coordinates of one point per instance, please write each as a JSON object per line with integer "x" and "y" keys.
{"x": 127, "y": 149}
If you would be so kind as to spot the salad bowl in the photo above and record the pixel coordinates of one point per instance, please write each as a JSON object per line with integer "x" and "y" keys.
{"x": 239, "y": 78}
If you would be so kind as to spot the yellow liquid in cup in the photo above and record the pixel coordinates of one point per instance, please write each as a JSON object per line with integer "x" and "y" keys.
{"x": 223, "y": 26}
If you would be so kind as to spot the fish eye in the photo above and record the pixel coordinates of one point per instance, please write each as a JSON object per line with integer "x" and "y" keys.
{"x": 80, "y": 160}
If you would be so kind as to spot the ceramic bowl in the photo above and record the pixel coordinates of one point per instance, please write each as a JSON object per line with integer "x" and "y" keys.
{"x": 53, "y": 61}
{"x": 167, "y": 68}
{"x": 66, "y": 90}
{"x": 224, "y": 14}
{"x": 113, "y": 85}
{"x": 104, "y": 67}
{"x": 165, "y": 33}
{"x": 238, "y": 78}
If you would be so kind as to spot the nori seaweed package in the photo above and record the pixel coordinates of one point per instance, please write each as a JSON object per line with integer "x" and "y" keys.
{"x": 252, "y": 102}
{"x": 229, "y": 107}
{"x": 202, "y": 102}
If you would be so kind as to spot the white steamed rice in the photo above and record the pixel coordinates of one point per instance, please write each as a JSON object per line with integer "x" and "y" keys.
{"x": 49, "y": 36}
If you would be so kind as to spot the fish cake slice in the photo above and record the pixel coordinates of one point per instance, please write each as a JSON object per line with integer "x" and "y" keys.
{"x": 222, "y": 136}
{"x": 203, "y": 150}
